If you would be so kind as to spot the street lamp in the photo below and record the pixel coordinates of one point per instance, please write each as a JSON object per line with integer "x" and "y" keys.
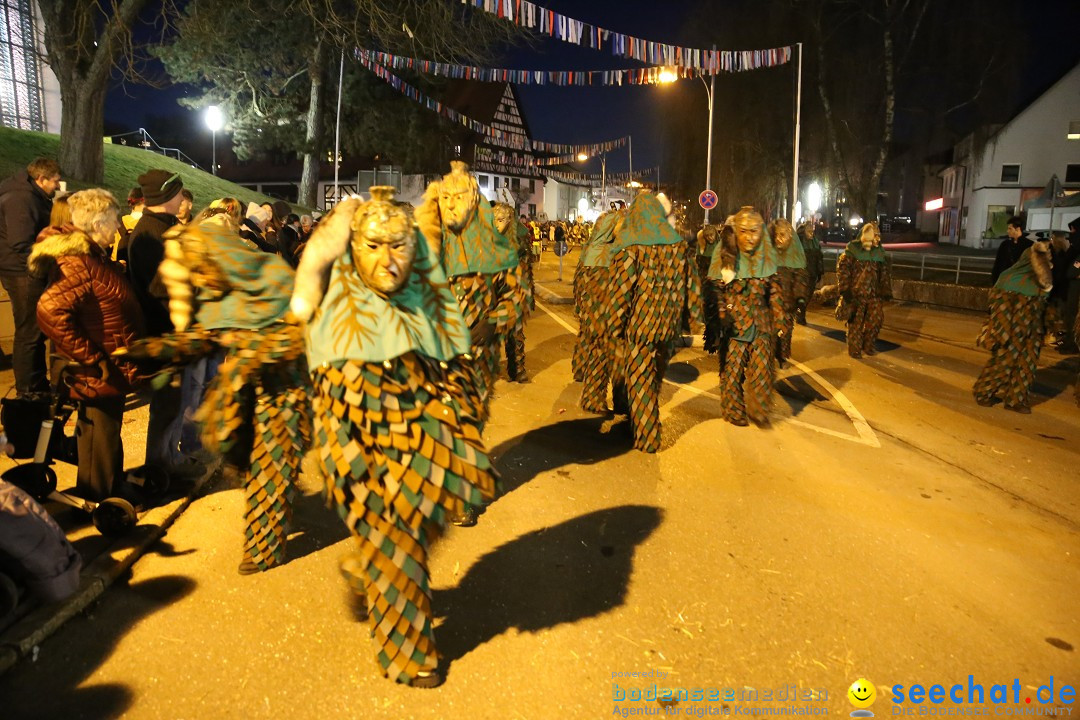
{"x": 583, "y": 156}
{"x": 667, "y": 77}
{"x": 813, "y": 198}
{"x": 214, "y": 120}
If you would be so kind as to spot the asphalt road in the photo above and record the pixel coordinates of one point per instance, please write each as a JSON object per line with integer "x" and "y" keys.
{"x": 884, "y": 527}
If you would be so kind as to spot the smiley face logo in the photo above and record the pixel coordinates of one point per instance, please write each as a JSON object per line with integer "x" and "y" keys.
{"x": 862, "y": 695}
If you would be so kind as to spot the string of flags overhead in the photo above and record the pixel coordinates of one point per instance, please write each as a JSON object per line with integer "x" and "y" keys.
{"x": 547, "y": 22}
{"x": 580, "y": 78}
{"x": 497, "y": 137}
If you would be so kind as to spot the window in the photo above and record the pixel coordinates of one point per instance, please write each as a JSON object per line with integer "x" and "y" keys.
{"x": 997, "y": 217}
{"x": 532, "y": 209}
{"x": 1010, "y": 173}
{"x": 20, "y": 81}
{"x": 483, "y": 180}
{"x": 497, "y": 179}
{"x": 532, "y": 186}
{"x": 515, "y": 183}
{"x": 1072, "y": 173}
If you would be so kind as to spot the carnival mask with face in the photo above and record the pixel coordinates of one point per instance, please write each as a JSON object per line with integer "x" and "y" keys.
{"x": 504, "y": 214}
{"x": 869, "y": 236}
{"x": 782, "y": 233}
{"x": 383, "y": 242}
{"x": 458, "y": 197}
{"x": 748, "y": 225}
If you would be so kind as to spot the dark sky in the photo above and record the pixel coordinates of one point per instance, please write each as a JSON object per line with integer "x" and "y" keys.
{"x": 594, "y": 114}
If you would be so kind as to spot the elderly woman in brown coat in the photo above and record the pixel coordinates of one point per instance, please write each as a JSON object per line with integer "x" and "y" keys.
{"x": 88, "y": 310}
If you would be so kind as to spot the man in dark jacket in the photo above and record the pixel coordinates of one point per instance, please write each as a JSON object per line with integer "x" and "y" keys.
{"x": 289, "y": 239}
{"x": 1010, "y": 250}
{"x": 161, "y": 192}
{"x": 25, "y": 204}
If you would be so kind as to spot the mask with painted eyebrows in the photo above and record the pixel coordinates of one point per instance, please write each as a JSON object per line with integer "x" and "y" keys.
{"x": 459, "y": 195}
{"x": 383, "y": 242}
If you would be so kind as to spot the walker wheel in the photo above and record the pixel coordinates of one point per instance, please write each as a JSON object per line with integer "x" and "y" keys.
{"x": 114, "y": 516}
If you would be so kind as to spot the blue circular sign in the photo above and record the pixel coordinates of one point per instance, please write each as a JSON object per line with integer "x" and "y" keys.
{"x": 707, "y": 199}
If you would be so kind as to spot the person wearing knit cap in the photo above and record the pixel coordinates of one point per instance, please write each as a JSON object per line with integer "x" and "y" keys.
{"x": 864, "y": 279}
{"x": 794, "y": 281}
{"x": 397, "y": 414}
{"x": 507, "y": 224}
{"x": 1014, "y": 329}
{"x": 752, "y": 313}
{"x": 593, "y": 350}
{"x": 652, "y": 284}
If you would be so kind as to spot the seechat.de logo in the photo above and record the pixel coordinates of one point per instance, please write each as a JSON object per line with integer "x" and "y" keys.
{"x": 862, "y": 695}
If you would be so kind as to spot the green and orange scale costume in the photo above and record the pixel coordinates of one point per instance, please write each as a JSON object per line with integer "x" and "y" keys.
{"x": 593, "y": 349}
{"x": 864, "y": 280}
{"x": 515, "y": 340}
{"x": 255, "y": 413}
{"x": 794, "y": 290}
{"x": 397, "y": 425}
{"x": 751, "y": 311}
{"x": 652, "y": 283}
{"x": 1013, "y": 332}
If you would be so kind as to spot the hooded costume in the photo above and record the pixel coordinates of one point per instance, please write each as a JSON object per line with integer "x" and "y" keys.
{"x": 652, "y": 283}
{"x": 515, "y": 341}
{"x": 255, "y": 411}
{"x": 482, "y": 266}
{"x": 1013, "y": 330}
{"x": 864, "y": 280}
{"x": 592, "y": 295}
{"x": 752, "y": 314}
{"x": 794, "y": 281}
{"x": 397, "y": 419}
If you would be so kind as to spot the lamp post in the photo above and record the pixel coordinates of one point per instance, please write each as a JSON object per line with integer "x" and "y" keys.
{"x": 668, "y": 76}
{"x": 582, "y": 157}
{"x": 214, "y": 120}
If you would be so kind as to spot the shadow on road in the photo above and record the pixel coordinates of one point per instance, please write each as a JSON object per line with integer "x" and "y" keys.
{"x": 539, "y": 357}
{"x": 572, "y": 442}
{"x": 682, "y": 372}
{"x": 28, "y": 693}
{"x": 1053, "y": 380}
{"x": 575, "y": 570}
{"x": 317, "y": 527}
{"x": 91, "y": 546}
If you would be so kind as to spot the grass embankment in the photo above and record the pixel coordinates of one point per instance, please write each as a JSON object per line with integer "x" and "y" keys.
{"x": 123, "y": 166}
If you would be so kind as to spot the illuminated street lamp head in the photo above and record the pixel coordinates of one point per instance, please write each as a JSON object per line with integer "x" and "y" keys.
{"x": 214, "y": 119}
{"x": 582, "y": 157}
{"x": 667, "y": 76}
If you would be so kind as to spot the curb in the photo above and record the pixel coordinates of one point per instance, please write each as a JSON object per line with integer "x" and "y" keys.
{"x": 21, "y": 639}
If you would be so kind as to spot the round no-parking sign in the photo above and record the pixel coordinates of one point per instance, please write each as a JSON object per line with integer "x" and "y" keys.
{"x": 707, "y": 199}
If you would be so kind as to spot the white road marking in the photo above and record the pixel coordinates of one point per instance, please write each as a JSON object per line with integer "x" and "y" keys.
{"x": 866, "y": 434}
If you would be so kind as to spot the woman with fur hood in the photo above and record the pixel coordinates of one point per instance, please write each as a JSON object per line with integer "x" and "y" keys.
{"x": 89, "y": 311}
{"x": 1013, "y": 332}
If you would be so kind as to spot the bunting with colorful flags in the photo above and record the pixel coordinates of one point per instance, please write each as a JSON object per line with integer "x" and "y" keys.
{"x": 547, "y": 22}
{"x": 580, "y": 78}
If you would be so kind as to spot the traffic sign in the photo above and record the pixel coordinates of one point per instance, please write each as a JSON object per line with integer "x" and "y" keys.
{"x": 707, "y": 199}
{"x": 561, "y": 248}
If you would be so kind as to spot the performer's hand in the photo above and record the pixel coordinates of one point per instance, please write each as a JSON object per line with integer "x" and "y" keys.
{"x": 482, "y": 333}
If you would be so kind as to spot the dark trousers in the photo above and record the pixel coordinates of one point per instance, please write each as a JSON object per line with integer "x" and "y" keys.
{"x": 163, "y": 427}
{"x": 28, "y": 351}
{"x": 101, "y": 451}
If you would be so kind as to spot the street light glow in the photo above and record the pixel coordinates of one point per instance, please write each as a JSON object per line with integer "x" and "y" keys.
{"x": 582, "y": 157}
{"x": 214, "y": 119}
{"x": 667, "y": 76}
{"x": 813, "y": 197}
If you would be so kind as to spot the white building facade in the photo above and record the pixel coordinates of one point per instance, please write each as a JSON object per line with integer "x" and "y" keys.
{"x": 29, "y": 91}
{"x": 986, "y": 185}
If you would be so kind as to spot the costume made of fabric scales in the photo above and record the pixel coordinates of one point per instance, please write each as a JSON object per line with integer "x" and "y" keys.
{"x": 1013, "y": 332}
{"x": 482, "y": 266}
{"x": 864, "y": 280}
{"x": 515, "y": 340}
{"x": 397, "y": 424}
{"x": 593, "y": 348}
{"x": 652, "y": 284}
{"x": 255, "y": 413}
{"x": 794, "y": 282}
{"x": 751, "y": 312}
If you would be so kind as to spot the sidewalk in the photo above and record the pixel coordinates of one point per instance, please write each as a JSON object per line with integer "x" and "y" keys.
{"x": 104, "y": 559}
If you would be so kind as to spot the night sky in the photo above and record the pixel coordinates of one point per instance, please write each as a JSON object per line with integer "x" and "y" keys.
{"x": 595, "y": 114}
